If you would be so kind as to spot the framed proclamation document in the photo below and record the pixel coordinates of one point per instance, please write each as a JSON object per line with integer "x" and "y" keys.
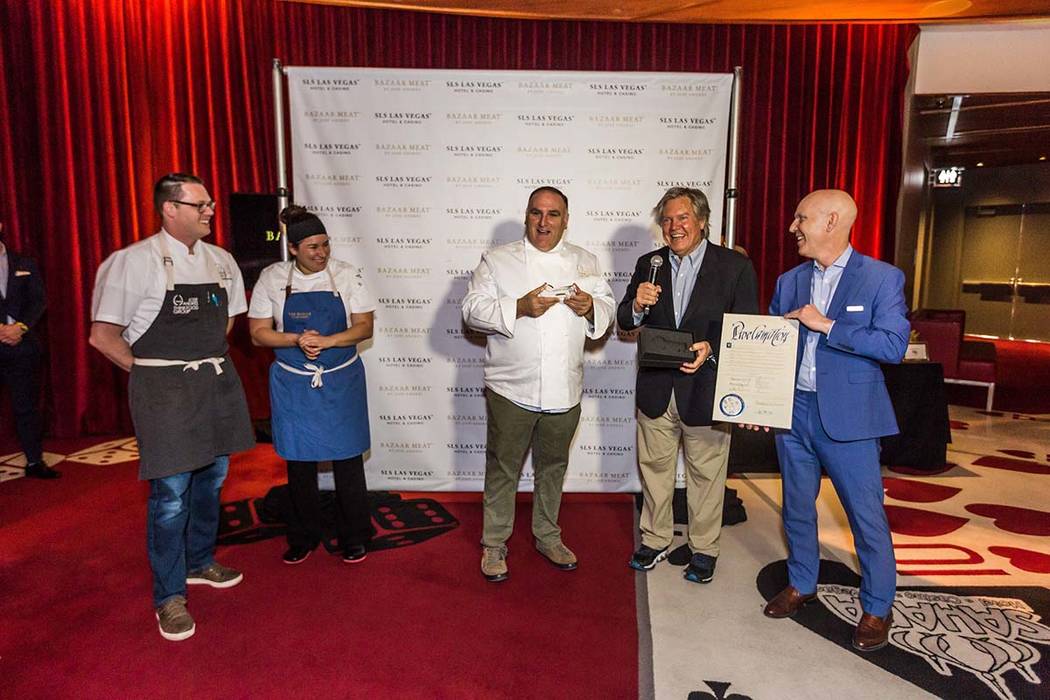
{"x": 756, "y": 370}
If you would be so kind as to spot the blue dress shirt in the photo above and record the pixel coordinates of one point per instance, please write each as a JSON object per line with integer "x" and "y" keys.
{"x": 684, "y": 271}
{"x": 821, "y": 291}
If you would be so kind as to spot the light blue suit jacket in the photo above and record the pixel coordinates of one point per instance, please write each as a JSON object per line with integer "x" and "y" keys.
{"x": 871, "y": 327}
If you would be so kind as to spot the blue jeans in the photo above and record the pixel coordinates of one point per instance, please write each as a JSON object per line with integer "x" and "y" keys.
{"x": 181, "y": 524}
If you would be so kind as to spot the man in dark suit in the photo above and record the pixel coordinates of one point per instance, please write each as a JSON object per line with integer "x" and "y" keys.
{"x": 21, "y": 306}
{"x": 851, "y": 313}
{"x": 696, "y": 283}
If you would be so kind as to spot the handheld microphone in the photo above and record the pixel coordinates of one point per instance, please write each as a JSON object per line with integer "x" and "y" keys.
{"x": 654, "y": 265}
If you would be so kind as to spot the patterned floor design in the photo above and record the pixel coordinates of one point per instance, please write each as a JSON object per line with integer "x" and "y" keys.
{"x": 972, "y": 617}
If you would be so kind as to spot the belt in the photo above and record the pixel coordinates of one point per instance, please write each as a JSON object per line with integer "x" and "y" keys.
{"x": 315, "y": 371}
{"x": 186, "y": 364}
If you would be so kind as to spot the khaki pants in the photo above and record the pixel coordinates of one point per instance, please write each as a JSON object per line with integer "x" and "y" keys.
{"x": 706, "y": 458}
{"x": 511, "y": 429}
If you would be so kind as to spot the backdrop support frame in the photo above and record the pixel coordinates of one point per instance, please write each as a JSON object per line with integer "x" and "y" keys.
{"x": 282, "y": 167}
{"x": 732, "y": 194}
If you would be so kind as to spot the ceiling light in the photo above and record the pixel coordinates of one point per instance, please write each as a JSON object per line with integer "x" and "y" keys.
{"x": 1042, "y": 157}
{"x": 945, "y": 8}
{"x": 953, "y": 118}
{"x": 980, "y": 164}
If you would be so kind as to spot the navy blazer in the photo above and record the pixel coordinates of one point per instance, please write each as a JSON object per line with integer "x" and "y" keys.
{"x": 24, "y": 301}
{"x": 871, "y": 327}
{"x": 726, "y": 283}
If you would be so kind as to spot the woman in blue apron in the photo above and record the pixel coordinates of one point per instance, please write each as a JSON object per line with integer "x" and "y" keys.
{"x": 313, "y": 311}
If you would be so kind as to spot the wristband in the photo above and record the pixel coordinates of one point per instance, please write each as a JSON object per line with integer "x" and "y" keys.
{"x": 24, "y": 327}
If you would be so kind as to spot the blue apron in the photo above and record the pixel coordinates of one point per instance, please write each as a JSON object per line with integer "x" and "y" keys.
{"x": 319, "y": 408}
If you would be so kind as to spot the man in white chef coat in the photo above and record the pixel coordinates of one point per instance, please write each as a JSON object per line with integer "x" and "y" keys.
{"x": 539, "y": 299}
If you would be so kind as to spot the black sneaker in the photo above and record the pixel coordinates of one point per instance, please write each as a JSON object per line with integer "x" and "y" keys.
{"x": 647, "y": 557}
{"x": 701, "y": 568}
{"x": 354, "y": 553}
{"x": 296, "y": 555}
{"x": 40, "y": 470}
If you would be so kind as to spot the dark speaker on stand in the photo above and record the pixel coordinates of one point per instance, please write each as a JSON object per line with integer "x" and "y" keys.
{"x": 256, "y": 233}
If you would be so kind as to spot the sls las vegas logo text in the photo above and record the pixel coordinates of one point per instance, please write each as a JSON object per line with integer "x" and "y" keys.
{"x": 330, "y": 84}
{"x": 404, "y": 361}
{"x": 345, "y": 211}
{"x": 608, "y": 393}
{"x": 406, "y": 419}
{"x": 467, "y": 150}
{"x": 473, "y": 213}
{"x": 617, "y": 89}
{"x": 402, "y": 181}
{"x": 615, "y": 153}
{"x": 404, "y": 303}
{"x": 695, "y": 123}
{"x": 606, "y": 450}
{"x": 555, "y": 120}
{"x": 408, "y": 474}
{"x": 474, "y": 86}
{"x": 401, "y": 118}
{"x": 404, "y": 242}
{"x": 332, "y": 149}
{"x": 468, "y": 392}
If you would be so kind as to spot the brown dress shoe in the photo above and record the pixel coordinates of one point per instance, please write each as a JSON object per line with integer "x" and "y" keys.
{"x": 786, "y": 603}
{"x": 872, "y": 632}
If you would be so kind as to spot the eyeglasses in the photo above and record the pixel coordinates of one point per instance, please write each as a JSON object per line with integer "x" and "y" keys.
{"x": 199, "y": 206}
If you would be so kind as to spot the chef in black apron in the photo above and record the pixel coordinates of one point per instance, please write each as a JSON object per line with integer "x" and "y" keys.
{"x": 187, "y": 402}
{"x": 313, "y": 311}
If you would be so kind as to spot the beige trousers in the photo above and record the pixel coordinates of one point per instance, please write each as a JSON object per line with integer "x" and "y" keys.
{"x": 706, "y": 458}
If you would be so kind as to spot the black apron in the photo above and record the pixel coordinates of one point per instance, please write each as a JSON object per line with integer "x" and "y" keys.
{"x": 187, "y": 402}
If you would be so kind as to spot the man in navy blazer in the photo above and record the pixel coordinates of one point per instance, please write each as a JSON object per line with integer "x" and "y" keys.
{"x": 21, "y": 306}
{"x": 696, "y": 284}
{"x": 851, "y": 314}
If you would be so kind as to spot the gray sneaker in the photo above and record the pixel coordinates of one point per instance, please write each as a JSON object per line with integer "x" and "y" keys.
{"x": 494, "y": 563}
{"x": 215, "y": 575}
{"x": 174, "y": 620}
{"x": 557, "y": 554}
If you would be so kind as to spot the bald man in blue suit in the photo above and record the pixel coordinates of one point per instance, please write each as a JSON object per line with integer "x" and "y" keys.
{"x": 851, "y": 314}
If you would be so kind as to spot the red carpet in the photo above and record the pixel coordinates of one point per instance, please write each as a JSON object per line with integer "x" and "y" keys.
{"x": 413, "y": 622}
{"x": 1022, "y": 381}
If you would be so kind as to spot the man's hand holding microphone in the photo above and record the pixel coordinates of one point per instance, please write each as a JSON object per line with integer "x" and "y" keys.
{"x": 648, "y": 293}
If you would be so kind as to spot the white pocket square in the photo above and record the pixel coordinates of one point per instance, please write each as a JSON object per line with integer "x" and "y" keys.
{"x": 854, "y": 308}
{"x": 22, "y": 273}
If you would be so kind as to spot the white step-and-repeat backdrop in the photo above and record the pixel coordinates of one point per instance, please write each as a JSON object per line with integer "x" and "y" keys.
{"x": 415, "y": 173}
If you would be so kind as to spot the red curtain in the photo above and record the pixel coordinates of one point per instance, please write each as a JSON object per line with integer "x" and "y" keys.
{"x": 100, "y": 97}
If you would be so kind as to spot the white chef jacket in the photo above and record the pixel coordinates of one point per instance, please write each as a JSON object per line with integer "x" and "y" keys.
{"x": 268, "y": 293}
{"x": 130, "y": 285}
{"x": 536, "y": 362}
